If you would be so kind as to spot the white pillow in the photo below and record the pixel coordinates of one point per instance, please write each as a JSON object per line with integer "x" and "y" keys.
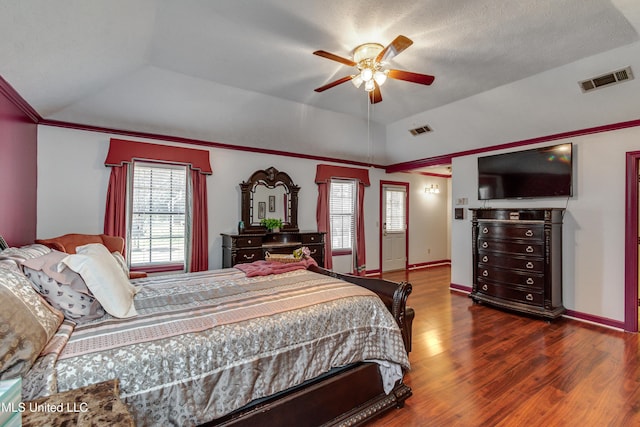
{"x": 104, "y": 278}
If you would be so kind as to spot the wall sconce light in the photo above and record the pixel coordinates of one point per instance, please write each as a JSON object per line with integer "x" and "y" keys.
{"x": 432, "y": 189}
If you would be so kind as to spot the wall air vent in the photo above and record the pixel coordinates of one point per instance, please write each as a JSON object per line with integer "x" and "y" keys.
{"x": 606, "y": 79}
{"x": 420, "y": 130}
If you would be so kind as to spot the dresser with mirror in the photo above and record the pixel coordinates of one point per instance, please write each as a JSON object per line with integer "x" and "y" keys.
{"x": 269, "y": 193}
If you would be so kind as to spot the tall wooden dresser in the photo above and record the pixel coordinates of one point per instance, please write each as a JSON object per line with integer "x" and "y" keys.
{"x": 517, "y": 260}
{"x": 249, "y": 247}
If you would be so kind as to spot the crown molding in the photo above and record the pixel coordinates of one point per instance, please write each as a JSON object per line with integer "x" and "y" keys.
{"x": 14, "y": 97}
{"x": 182, "y": 140}
{"x": 446, "y": 159}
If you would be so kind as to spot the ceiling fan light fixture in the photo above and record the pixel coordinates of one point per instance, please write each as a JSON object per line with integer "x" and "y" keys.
{"x": 366, "y": 51}
{"x": 367, "y": 74}
{"x": 357, "y": 80}
{"x": 380, "y": 77}
{"x": 369, "y": 85}
{"x": 370, "y": 59}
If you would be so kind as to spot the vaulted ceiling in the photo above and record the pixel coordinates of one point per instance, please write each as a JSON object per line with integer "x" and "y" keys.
{"x": 157, "y": 65}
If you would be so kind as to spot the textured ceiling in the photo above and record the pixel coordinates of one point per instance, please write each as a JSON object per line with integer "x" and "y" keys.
{"x": 86, "y": 60}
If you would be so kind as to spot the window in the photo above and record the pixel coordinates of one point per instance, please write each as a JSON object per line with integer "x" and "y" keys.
{"x": 342, "y": 203}
{"x": 394, "y": 210}
{"x": 158, "y": 216}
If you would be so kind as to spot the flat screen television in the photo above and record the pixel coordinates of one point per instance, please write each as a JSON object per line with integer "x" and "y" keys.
{"x": 539, "y": 172}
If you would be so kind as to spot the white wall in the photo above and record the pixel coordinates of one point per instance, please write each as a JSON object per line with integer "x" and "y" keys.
{"x": 594, "y": 223}
{"x": 72, "y": 185}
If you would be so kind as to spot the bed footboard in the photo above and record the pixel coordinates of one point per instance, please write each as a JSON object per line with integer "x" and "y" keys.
{"x": 350, "y": 398}
{"x": 394, "y": 295}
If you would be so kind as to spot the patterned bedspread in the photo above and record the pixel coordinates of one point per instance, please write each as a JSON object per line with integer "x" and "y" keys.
{"x": 205, "y": 344}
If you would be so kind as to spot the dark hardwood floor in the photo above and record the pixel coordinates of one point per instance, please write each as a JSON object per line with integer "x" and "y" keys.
{"x": 473, "y": 365}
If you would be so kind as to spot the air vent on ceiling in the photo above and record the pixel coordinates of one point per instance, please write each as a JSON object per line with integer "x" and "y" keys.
{"x": 421, "y": 129}
{"x": 606, "y": 79}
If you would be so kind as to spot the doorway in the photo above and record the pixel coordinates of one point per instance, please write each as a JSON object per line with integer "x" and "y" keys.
{"x": 632, "y": 242}
{"x": 394, "y": 225}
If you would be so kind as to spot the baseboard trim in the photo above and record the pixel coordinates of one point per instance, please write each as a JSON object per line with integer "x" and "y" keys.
{"x": 460, "y": 288}
{"x": 595, "y": 320}
{"x": 429, "y": 264}
{"x": 569, "y": 314}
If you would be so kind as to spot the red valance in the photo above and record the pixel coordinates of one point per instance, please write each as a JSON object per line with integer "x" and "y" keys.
{"x": 325, "y": 172}
{"x": 121, "y": 151}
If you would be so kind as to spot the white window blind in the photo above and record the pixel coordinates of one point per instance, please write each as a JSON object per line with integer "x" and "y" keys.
{"x": 342, "y": 203}
{"x": 158, "y": 214}
{"x": 395, "y": 214}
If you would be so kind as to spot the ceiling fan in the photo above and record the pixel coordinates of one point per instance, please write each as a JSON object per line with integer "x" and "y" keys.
{"x": 370, "y": 59}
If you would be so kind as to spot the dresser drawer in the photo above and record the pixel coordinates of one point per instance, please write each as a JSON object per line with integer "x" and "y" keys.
{"x": 248, "y": 255}
{"x": 511, "y": 277}
{"x": 505, "y": 292}
{"x": 316, "y": 252}
{"x": 248, "y": 242}
{"x": 311, "y": 238}
{"x": 530, "y": 249}
{"x": 510, "y": 231}
{"x": 491, "y": 259}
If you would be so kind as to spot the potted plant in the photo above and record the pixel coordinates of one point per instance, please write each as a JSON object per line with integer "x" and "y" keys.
{"x": 271, "y": 224}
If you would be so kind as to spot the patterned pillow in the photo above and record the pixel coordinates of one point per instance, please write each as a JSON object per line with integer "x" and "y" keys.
{"x": 24, "y": 252}
{"x": 9, "y": 264}
{"x": 15, "y": 256}
{"x": 64, "y": 290}
{"x": 27, "y": 323}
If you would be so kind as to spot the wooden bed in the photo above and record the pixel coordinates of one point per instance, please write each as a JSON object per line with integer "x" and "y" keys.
{"x": 220, "y": 347}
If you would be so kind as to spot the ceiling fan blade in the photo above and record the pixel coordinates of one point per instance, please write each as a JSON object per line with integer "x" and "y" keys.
{"x": 399, "y": 44}
{"x": 334, "y": 83}
{"x": 333, "y": 57}
{"x": 422, "y": 79}
{"x": 375, "y": 95}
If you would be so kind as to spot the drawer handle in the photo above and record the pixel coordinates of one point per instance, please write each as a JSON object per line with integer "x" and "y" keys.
{"x": 485, "y": 245}
{"x": 529, "y": 297}
{"x": 529, "y": 264}
{"x": 530, "y": 281}
{"x": 485, "y": 258}
{"x": 485, "y": 287}
{"x": 485, "y": 230}
{"x": 529, "y": 249}
{"x": 485, "y": 273}
{"x": 312, "y": 238}
{"x": 249, "y": 257}
{"x": 528, "y": 233}
{"x": 249, "y": 241}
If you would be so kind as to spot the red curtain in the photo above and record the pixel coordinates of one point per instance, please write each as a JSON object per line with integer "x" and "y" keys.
{"x": 324, "y": 174}
{"x": 115, "y": 216}
{"x": 322, "y": 218}
{"x": 360, "y": 256}
{"x": 199, "y": 223}
{"x": 121, "y": 153}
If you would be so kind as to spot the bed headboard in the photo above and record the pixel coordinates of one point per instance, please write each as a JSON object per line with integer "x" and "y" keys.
{"x": 68, "y": 242}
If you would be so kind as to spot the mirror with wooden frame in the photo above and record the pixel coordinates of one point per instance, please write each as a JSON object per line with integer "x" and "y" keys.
{"x": 269, "y": 193}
